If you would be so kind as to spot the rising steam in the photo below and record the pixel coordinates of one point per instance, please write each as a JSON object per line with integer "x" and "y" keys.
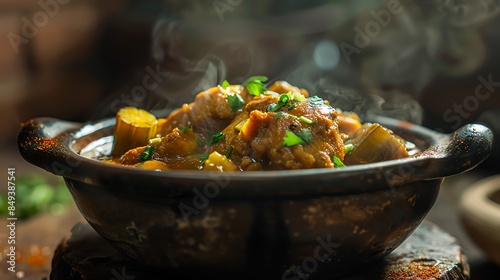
{"x": 437, "y": 37}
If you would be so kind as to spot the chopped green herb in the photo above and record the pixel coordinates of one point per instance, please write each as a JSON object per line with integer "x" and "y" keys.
{"x": 291, "y": 106}
{"x": 280, "y": 115}
{"x": 186, "y": 128}
{"x": 200, "y": 141}
{"x": 155, "y": 140}
{"x": 337, "y": 162}
{"x": 256, "y": 78}
{"x": 203, "y": 157}
{"x": 272, "y": 107}
{"x": 305, "y": 120}
{"x": 303, "y": 136}
{"x": 291, "y": 139}
{"x": 284, "y": 98}
{"x": 235, "y": 101}
{"x": 348, "y": 148}
{"x": 217, "y": 137}
{"x": 306, "y": 135}
{"x": 225, "y": 84}
{"x": 229, "y": 151}
{"x": 316, "y": 101}
{"x": 146, "y": 154}
{"x": 255, "y": 85}
{"x": 297, "y": 96}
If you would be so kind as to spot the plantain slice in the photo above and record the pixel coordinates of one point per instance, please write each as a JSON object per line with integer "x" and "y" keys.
{"x": 134, "y": 127}
{"x": 374, "y": 143}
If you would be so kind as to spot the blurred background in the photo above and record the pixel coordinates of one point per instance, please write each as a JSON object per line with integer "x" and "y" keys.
{"x": 81, "y": 60}
{"x": 432, "y": 62}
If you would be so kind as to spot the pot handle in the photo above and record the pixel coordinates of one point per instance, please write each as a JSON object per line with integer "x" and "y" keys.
{"x": 462, "y": 150}
{"x": 450, "y": 154}
{"x": 41, "y": 142}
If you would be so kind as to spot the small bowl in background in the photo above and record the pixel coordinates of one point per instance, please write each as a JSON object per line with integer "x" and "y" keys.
{"x": 480, "y": 215}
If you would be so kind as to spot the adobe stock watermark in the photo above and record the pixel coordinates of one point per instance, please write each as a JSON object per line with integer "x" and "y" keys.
{"x": 402, "y": 173}
{"x": 138, "y": 94}
{"x": 461, "y": 111}
{"x": 121, "y": 275}
{"x": 310, "y": 265}
{"x": 463, "y": 13}
{"x": 30, "y": 27}
{"x": 223, "y": 6}
{"x": 201, "y": 198}
{"x": 363, "y": 37}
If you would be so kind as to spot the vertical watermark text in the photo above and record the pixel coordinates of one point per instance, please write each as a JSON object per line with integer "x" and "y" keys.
{"x": 11, "y": 218}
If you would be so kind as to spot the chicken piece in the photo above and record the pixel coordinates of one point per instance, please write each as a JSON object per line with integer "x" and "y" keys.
{"x": 209, "y": 112}
{"x": 177, "y": 143}
{"x": 262, "y": 136}
{"x": 284, "y": 87}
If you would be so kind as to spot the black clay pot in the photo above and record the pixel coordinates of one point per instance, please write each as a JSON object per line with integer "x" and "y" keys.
{"x": 314, "y": 223}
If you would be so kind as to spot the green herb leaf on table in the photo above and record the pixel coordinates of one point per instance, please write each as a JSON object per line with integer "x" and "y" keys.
{"x": 37, "y": 194}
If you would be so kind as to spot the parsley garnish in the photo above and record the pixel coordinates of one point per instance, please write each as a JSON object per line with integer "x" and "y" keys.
{"x": 297, "y": 96}
{"x": 200, "y": 142}
{"x": 255, "y": 85}
{"x": 348, "y": 148}
{"x": 291, "y": 139}
{"x": 284, "y": 98}
{"x": 305, "y": 120}
{"x": 306, "y": 135}
{"x": 203, "y": 157}
{"x": 316, "y": 101}
{"x": 337, "y": 162}
{"x": 225, "y": 84}
{"x": 186, "y": 128}
{"x": 303, "y": 136}
{"x": 235, "y": 101}
{"x": 217, "y": 137}
{"x": 229, "y": 151}
{"x": 280, "y": 115}
{"x": 146, "y": 154}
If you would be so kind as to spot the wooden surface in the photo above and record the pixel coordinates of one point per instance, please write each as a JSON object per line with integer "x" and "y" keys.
{"x": 429, "y": 253}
